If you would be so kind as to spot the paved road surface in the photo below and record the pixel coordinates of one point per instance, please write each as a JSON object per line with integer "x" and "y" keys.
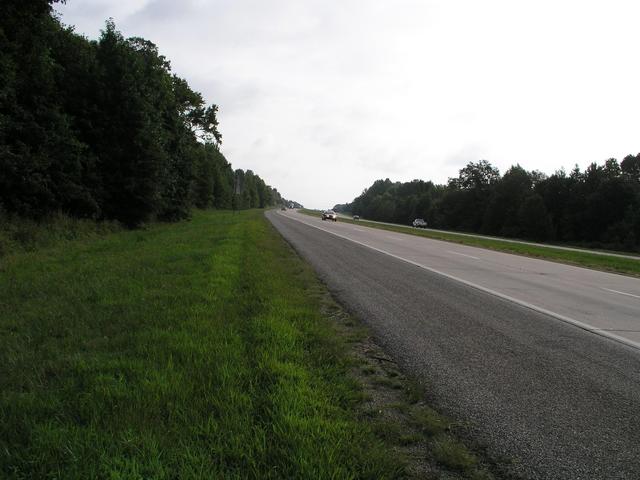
{"x": 563, "y": 402}
{"x": 604, "y": 303}
{"x": 510, "y": 240}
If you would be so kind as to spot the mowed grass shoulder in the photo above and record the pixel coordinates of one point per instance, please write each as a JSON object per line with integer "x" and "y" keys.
{"x": 191, "y": 350}
{"x": 597, "y": 261}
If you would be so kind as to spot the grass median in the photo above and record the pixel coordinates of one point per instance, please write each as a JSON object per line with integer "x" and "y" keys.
{"x": 191, "y": 350}
{"x": 596, "y": 261}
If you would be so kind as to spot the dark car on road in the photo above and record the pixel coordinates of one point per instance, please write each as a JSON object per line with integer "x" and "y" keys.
{"x": 419, "y": 223}
{"x": 329, "y": 215}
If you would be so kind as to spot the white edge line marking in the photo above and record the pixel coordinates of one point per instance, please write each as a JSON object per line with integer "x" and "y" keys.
{"x": 583, "y": 326}
{"x": 462, "y": 254}
{"x": 621, "y": 293}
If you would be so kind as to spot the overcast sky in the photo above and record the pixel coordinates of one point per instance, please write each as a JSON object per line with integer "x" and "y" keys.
{"x": 322, "y": 98}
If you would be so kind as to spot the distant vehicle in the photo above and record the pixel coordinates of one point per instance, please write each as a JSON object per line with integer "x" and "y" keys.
{"x": 356, "y": 217}
{"x": 283, "y": 207}
{"x": 419, "y": 223}
{"x": 329, "y": 215}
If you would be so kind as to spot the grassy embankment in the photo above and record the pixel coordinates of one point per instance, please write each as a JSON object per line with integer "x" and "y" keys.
{"x": 24, "y": 235}
{"x": 190, "y": 350}
{"x": 609, "y": 263}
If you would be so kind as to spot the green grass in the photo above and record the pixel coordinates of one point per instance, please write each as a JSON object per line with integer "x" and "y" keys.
{"x": 190, "y": 350}
{"x": 453, "y": 454}
{"x": 609, "y": 263}
{"x": 430, "y": 422}
{"x": 25, "y": 235}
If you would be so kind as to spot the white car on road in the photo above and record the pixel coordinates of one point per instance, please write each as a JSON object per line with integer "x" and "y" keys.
{"x": 329, "y": 215}
{"x": 419, "y": 223}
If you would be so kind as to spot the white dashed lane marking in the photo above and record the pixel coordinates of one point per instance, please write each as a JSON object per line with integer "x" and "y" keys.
{"x": 463, "y": 255}
{"x": 621, "y": 293}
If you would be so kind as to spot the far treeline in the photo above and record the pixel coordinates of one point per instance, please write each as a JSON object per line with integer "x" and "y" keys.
{"x": 104, "y": 130}
{"x": 599, "y": 207}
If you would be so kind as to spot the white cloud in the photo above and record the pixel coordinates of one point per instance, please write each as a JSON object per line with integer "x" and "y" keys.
{"x": 321, "y": 98}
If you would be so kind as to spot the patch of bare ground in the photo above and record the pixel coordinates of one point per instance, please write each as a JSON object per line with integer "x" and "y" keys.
{"x": 431, "y": 445}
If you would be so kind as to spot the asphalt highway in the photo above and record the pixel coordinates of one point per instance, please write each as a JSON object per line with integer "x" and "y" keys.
{"x": 509, "y": 240}
{"x": 541, "y": 360}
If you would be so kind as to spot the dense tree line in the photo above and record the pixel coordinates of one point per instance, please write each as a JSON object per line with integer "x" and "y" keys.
{"x": 599, "y": 206}
{"x": 103, "y": 129}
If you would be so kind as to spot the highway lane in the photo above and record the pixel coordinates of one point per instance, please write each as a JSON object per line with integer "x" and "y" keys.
{"x": 509, "y": 240}
{"x": 560, "y": 400}
{"x": 603, "y": 303}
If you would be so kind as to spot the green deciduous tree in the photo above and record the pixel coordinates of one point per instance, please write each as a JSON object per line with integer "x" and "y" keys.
{"x": 104, "y": 129}
{"x": 600, "y": 206}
